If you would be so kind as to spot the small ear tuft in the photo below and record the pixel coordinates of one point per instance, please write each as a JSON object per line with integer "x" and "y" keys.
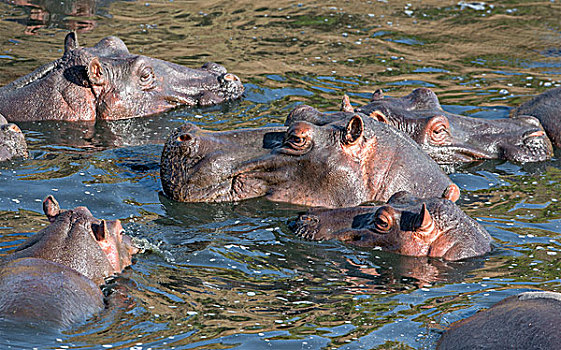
{"x": 379, "y": 116}
{"x": 346, "y": 105}
{"x": 71, "y": 42}
{"x": 99, "y": 230}
{"x": 51, "y": 208}
{"x": 452, "y": 193}
{"x": 354, "y": 130}
{"x": 377, "y": 95}
{"x": 96, "y": 73}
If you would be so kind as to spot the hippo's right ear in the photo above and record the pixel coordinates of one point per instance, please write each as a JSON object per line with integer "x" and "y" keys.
{"x": 51, "y": 208}
{"x": 379, "y": 116}
{"x": 99, "y": 230}
{"x": 346, "y": 104}
{"x": 96, "y": 72}
{"x": 377, "y": 95}
{"x": 70, "y": 42}
{"x": 452, "y": 193}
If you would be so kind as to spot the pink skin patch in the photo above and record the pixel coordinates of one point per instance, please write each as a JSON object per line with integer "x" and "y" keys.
{"x": 110, "y": 243}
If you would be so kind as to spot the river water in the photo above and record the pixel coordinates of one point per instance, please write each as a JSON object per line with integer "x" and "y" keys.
{"x": 232, "y": 276}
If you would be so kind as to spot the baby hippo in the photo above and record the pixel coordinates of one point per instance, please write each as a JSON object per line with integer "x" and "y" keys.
{"x": 433, "y": 227}
{"x": 52, "y": 280}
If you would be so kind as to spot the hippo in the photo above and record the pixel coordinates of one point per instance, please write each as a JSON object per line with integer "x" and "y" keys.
{"x": 12, "y": 141}
{"x": 107, "y": 82}
{"x": 432, "y": 227}
{"x": 53, "y": 279}
{"x": 451, "y": 138}
{"x": 529, "y": 320}
{"x": 546, "y": 107}
{"x": 350, "y": 161}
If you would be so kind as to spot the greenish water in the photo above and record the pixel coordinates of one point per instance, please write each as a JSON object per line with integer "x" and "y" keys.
{"x": 232, "y": 276}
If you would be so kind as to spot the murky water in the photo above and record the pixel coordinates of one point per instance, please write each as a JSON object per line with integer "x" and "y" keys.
{"x": 232, "y": 276}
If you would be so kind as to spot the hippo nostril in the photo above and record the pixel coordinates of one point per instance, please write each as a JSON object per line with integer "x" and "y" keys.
{"x": 309, "y": 219}
{"x": 184, "y": 138}
{"x": 538, "y": 133}
{"x": 231, "y": 77}
{"x": 14, "y": 128}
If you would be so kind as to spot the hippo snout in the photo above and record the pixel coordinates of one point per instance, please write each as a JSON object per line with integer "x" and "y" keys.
{"x": 306, "y": 226}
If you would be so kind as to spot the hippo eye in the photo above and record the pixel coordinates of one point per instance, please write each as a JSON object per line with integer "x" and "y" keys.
{"x": 383, "y": 221}
{"x": 297, "y": 141}
{"x": 438, "y": 129}
{"x": 146, "y": 76}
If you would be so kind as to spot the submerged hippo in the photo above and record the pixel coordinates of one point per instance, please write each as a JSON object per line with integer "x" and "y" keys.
{"x": 547, "y": 108}
{"x": 12, "y": 141}
{"x": 451, "y": 138}
{"x": 530, "y": 320}
{"x": 108, "y": 82}
{"x": 53, "y": 278}
{"x": 433, "y": 227}
{"x": 350, "y": 161}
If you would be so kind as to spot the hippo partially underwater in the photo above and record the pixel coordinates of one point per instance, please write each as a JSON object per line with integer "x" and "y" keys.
{"x": 107, "y": 82}
{"x": 350, "y": 161}
{"x": 451, "y": 138}
{"x": 52, "y": 280}
{"x": 12, "y": 141}
{"x": 529, "y": 320}
{"x": 406, "y": 224}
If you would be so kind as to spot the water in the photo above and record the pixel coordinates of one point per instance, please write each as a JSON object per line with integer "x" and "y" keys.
{"x": 232, "y": 276}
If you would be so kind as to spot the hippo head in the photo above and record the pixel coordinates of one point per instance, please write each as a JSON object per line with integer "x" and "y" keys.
{"x": 12, "y": 141}
{"x": 347, "y": 162}
{"x": 451, "y": 138}
{"x": 107, "y": 82}
{"x": 95, "y": 248}
{"x": 406, "y": 224}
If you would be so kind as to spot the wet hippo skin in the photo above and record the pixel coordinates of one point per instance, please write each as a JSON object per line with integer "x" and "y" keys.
{"x": 12, "y": 141}
{"x": 450, "y": 138}
{"x": 107, "y": 82}
{"x": 433, "y": 227}
{"x": 350, "y": 161}
{"x": 530, "y": 320}
{"x": 547, "y": 108}
{"x": 52, "y": 280}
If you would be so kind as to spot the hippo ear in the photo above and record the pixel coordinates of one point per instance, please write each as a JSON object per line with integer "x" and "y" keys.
{"x": 71, "y": 42}
{"x": 96, "y": 73}
{"x": 379, "y": 116}
{"x": 99, "y": 230}
{"x": 425, "y": 223}
{"x": 452, "y": 193}
{"x": 51, "y": 208}
{"x": 346, "y": 105}
{"x": 377, "y": 95}
{"x": 354, "y": 130}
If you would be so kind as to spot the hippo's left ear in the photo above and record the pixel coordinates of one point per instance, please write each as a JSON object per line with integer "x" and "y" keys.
{"x": 346, "y": 104}
{"x": 377, "y": 95}
{"x": 354, "y": 130}
{"x": 96, "y": 72}
{"x": 452, "y": 193}
{"x": 71, "y": 42}
{"x": 99, "y": 230}
{"x": 51, "y": 208}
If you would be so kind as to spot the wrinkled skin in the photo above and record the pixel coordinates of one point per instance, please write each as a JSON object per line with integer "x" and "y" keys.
{"x": 12, "y": 141}
{"x": 547, "y": 108}
{"x": 432, "y": 227}
{"x": 345, "y": 163}
{"x": 451, "y": 138}
{"x": 528, "y": 320}
{"x": 53, "y": 278}
{"x": 107, "y": 82}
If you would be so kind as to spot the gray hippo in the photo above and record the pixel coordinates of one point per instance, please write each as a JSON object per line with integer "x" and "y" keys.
{"x": 350, "y": 161}
{"x": 107, "y": 82}
{"x": 530, "y": 320}
{"x": 447, "y": 137}
{"x": 53, "y": 279}
{"x": 547, "y": 108}
{"x": 12, "y": 141}
{"x": 408, "y": 225}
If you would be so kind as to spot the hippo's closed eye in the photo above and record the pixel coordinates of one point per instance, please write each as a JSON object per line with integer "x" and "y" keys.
{"x": 298, "y": 140}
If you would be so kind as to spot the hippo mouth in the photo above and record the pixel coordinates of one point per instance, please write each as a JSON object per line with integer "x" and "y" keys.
{"x": 209, "y": 92}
